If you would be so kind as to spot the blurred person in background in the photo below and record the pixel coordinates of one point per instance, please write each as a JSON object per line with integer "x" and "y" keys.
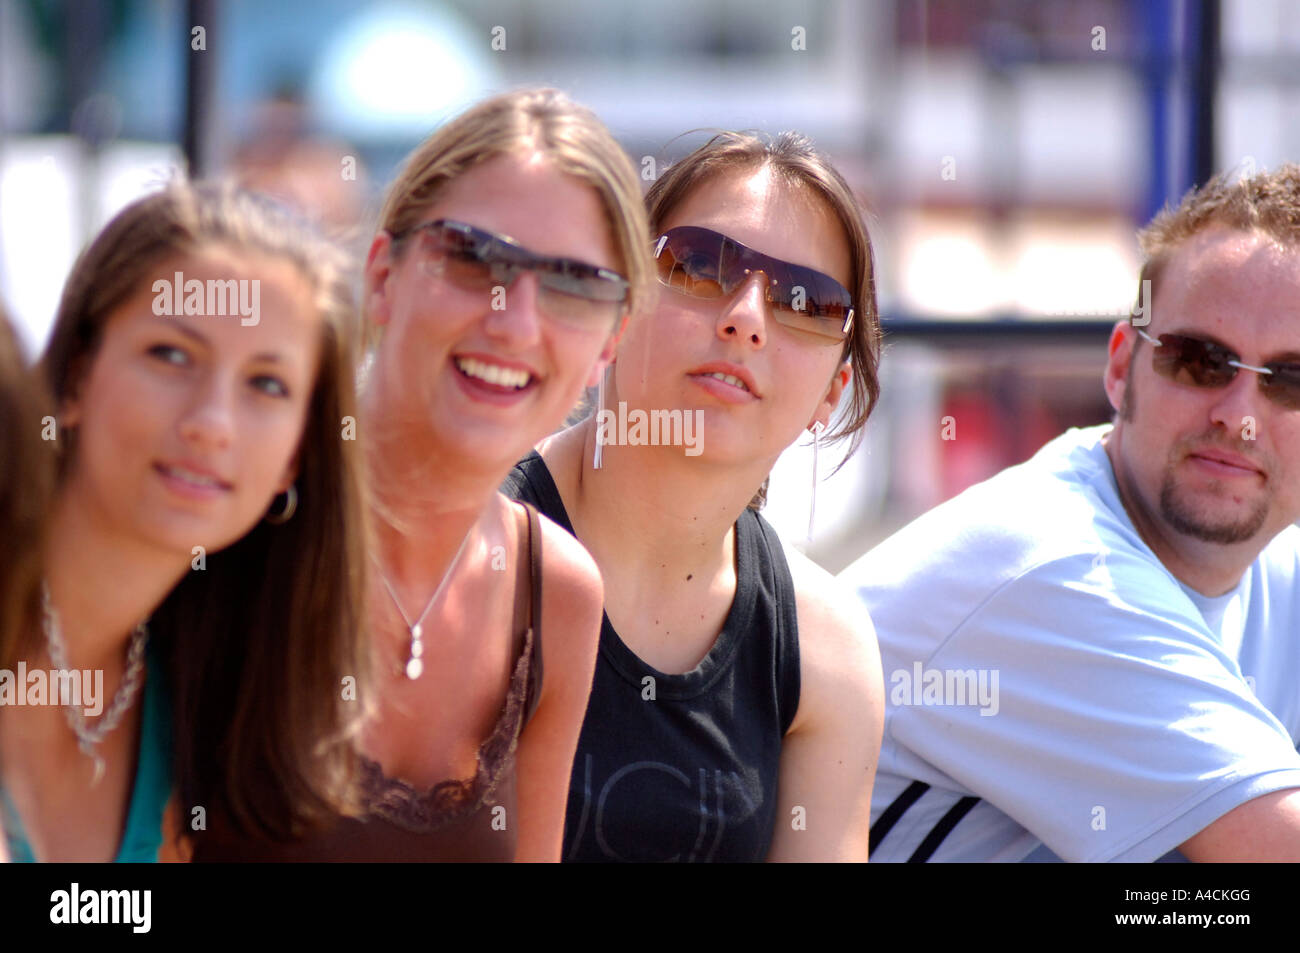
{"x": 1093, "y": 655}
{"x": 736, "y": 709}
{"x": 26, "y": 478}
{"x": 510, "y": 250}
{"x": 201, "y": 563}
{"x": 322, "y": 178}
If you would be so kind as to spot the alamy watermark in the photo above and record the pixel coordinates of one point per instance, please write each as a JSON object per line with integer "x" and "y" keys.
{"x": 639, "y": 428}
{"x": 214, "y": 297}
{"x": 945, "y": 687}
{"x": 1139, "y": 314}
{"x": 132, "y": 908}
{"x": 78, "y": 688}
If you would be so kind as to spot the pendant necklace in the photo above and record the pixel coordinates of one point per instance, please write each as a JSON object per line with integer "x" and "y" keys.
{"x": 414, "y": 662}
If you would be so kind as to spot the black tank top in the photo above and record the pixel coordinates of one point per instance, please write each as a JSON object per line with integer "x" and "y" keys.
{"x": 684, "y": 767}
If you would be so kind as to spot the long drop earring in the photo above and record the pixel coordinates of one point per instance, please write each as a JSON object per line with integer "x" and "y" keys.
{"x": 600, "y": 411}
{"x": 817, "y": 429}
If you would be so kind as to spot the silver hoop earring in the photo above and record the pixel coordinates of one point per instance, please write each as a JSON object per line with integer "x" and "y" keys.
{"x": 286, "y": 512}
{"x": 817, "y": 429}
{"x": 600, "y": 410}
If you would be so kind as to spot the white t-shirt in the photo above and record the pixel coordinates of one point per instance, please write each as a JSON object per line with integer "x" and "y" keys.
{"x": 1039, "y": 657}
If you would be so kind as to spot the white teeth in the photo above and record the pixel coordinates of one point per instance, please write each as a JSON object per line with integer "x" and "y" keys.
{"x": 189, "y": 476}
{"x": 728, "y": 379}
{"x": 493, "y": 373}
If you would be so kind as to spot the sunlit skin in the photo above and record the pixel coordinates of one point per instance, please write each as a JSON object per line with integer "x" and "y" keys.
{"x": 794, "y": 381}
{"x": 200, "y": 392}
{"x": 428, "y": 322}
{"x": 791, "y": 370}
{"x": 1204, "y": 494}
{"x": 1187, "y": 473}
{"x": 205, "y": 393}
{"x": 660, "y": 524}
{"x": 420, "y": 407}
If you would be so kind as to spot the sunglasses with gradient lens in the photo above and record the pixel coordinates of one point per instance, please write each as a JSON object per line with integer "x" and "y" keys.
{"x": 572, "y": 292}
{"x": 1197, "y": 362}
{"x": 706, "y": 264}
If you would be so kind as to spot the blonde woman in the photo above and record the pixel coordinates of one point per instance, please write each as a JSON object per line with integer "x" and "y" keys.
{"x": 510, "y": 251}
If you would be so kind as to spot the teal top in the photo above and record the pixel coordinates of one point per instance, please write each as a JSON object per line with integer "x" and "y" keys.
{"x": 150, "y": 791}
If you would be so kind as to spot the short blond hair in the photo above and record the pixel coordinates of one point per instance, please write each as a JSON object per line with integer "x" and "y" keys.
{"x": 1267, "y": 202}
{"x": 543, "y": 121}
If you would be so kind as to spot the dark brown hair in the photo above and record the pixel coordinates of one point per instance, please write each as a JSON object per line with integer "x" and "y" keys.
{"x": 255, "y": 645}
{"x": 794, "y": 157}
{"x": 26, "y": 480}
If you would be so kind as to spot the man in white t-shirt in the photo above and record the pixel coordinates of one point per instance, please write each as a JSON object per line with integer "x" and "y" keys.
{"x": 1095, "y": 655}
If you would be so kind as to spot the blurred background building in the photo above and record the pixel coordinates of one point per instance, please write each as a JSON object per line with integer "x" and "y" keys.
{"x": 1007, "y": 149}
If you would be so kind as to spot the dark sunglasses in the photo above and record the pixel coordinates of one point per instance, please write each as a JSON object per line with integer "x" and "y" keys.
{"x": 706, "y": 264}
{"x": 474, "y": 259}
{"x": 1201, "y": 363}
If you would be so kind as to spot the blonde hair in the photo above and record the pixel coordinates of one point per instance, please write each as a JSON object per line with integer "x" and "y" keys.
{"x": 544, "y": 121}
{"x": 255, "y": 645}
{"x": 1267, "y": 202}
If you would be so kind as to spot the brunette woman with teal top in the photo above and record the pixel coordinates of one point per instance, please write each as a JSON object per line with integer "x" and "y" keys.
{"x": 202, "y": 550}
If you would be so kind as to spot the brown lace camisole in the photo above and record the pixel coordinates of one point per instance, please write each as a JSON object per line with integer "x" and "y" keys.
{"x": 456, "y": 820}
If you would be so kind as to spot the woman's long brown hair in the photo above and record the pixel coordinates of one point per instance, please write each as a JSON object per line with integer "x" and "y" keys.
{"x": 26, "y": 480}
{"x": 256, "y": 646}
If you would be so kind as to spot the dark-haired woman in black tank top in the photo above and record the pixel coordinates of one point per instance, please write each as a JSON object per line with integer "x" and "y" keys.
{"x": 737, "y": 705}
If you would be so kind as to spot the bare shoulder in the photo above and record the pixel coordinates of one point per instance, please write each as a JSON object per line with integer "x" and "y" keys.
{"x": 562, "y": 452}
{"x": 830, "y": 753}
{"x": 839, "y": 659}
{"x": 831, "y": 618}
{"x": 569, "y": 569}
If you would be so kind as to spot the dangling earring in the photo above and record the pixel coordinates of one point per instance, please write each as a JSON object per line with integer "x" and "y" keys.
{"x": 816, "y": 429}
{"x": 600, "y": 410}
{"x": 287, "y": 511}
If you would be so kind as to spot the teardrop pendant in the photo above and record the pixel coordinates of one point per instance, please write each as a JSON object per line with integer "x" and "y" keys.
{"x": 98, "y": 769}
{"x": 414, "y": 667}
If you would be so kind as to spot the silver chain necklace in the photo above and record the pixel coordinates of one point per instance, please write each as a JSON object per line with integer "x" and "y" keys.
{"x": 90, "y": 736}
{"x": 414, "y": 662}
